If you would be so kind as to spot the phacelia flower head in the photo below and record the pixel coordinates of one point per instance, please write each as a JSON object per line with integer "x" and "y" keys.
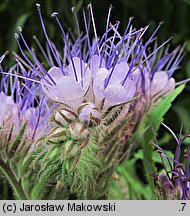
{"x": 99, "y": 74}
{"x": 20, "y": 105}
{"x": 97, "y": 89}
{"x": 175, "y": 182}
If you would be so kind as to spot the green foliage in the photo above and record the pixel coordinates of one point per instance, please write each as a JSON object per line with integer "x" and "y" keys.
{"x": 12, "y": 152}
{"x": 129, "y": 184}
{"x": 154, "y": 119}
{"x": 126, "y": 171}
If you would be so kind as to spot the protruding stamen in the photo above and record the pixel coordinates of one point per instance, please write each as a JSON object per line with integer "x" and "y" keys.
{"x": 48, "y": 40}
{"x": 94, "y": 27}
{"x": 87, "y": 31}
{"x": 177, "y": 60}
{"x": 73, "y": 9}
{"x": 24, "y": 55}
{"x": 117, "y": 46}
{"x": 16, "y": 36}
{"x": 3, "y": 56}
{"x": 153, "y": 52}
{"x": 42, "y": 50}
{"x": 68, "y": 47}
{"x": 170, "y": 130}
{"x": 19, "y": 29}
{"x": 134, "y": 58}
{"x": 37, "y": 61}
{"x": 54, "y": 14}
{"x": 80, "y": 47}
{"x": 106, "y": 35}
{"x": 26, "y": 78}
{"x": 6, "y": 53}
{"x": 38, "y": 6}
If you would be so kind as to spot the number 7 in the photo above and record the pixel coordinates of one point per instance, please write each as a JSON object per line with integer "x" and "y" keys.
{"x": 184, "y": 204}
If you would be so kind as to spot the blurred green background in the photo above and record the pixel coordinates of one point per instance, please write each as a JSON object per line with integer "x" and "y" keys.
{"x": 174, "y": 13}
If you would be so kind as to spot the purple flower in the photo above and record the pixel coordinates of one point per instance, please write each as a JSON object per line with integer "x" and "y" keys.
{"x": 8, "y": 111}
{"x": 67, "y": 90}
{"x": 90, "y": 85}
{"x": 98, "y": 74}
{"x": 175, "y": 182}
{"x": 18, "y": 107}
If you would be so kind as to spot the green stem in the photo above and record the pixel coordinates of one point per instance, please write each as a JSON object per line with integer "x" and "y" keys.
{"x": 13, "y": 180}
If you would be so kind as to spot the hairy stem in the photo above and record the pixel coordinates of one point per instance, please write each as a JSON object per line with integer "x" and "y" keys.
{"x": 13, "y": 180}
